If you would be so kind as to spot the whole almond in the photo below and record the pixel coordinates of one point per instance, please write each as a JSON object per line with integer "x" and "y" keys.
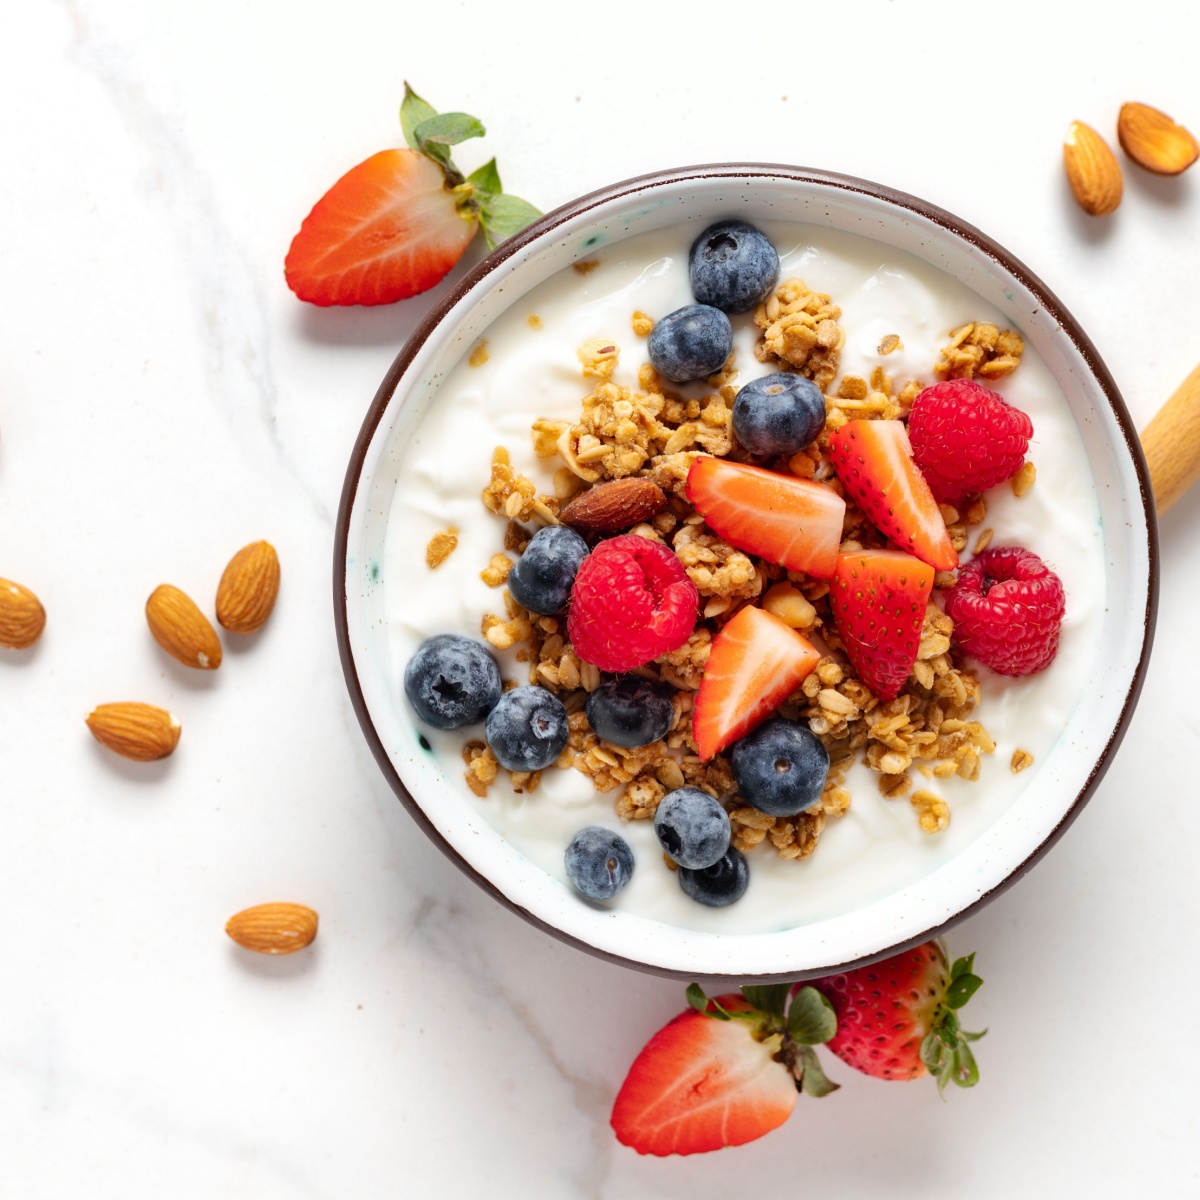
{"x": 273, "y": 928}
{"x": 615, "y": 505}
{"x": 1154, "y": 141}
{"x": 22, "y": 617}
{"x": 181, "y": 629}
{"x": 138, "y": 731}
{"x": 248, "y": 588}
{"x": 1092, "y": 170}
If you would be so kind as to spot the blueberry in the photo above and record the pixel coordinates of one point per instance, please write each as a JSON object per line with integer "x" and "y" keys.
{"x": 690, "y": 343}
{"x": 599, "y": 862}
{"x": 628, "y": 711}
{"x": 692, "y": 827}
{"x": 542, "y": 579}
{"x": 778, "y": 414}
{"x": 733, "y": 266}
{"x": 721, "y": 884}
{"x": 527, "y": 730}
{"x": 452, "y": 681}
{"x": 780, "y": 767}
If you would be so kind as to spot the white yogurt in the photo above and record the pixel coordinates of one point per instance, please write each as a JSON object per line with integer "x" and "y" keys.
{"x": 877, "y": 847}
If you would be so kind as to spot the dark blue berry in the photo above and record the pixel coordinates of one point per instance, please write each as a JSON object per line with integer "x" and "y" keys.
{"x": 690, "y": 343}
{"x": 628, "y": 711}
{"x": 527, "y": 730}
{"x": 780, "y": 767}
{"x": 542, "y": 579}
{"x": 692, "y": 827}
{"x": 778, "y": 414}
{"x": 721, "y": 884}
{"x": 599, "y": 862}
{"x": 733, "y": 266}
{"x": 452, "y": 681}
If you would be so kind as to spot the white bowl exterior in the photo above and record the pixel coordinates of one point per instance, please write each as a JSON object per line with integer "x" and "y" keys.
{"x": 1007, "y": 844}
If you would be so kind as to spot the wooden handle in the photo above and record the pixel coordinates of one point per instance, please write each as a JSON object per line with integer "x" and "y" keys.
{"x": 1172, "y": 444}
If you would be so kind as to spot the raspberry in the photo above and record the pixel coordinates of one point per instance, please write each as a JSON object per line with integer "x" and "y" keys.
{"x": 966, "y": 439}
{"x": 632, "y": 601}
{"x": 1007, "y": 609}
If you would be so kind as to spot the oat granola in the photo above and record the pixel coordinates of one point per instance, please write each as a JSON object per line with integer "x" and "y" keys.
{"x": 656, "y": 433}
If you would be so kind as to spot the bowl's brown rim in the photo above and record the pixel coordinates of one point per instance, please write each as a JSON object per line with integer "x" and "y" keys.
{"x": 739, "y": 172}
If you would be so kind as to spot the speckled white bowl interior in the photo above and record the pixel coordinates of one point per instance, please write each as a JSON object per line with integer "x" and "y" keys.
{"x": 697, "y": 197}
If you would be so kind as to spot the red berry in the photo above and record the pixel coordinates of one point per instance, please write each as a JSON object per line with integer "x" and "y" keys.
{"x": 388, "y": 229}
{"x": 781, "y": 518}
{"x": 878, "y": 598}
{"x": 756, "y": 663}
{"x": 896, "y": 1018}
{"x": 875, "y": 464}
{"x": 1007, "y": 609}
{"x": 966, "y": 438}
{"x": 700, "y": 1084}
{"x": 631, "y": 602}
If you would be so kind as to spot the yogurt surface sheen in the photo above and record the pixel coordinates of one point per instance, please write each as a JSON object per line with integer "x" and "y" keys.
{"x": 877, "y": 847}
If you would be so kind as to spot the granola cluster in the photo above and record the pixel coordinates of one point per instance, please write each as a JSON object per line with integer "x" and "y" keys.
{"x": 927, "y": 732}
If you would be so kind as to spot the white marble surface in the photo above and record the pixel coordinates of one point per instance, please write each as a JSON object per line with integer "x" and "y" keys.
{"x": 164, "y": 399}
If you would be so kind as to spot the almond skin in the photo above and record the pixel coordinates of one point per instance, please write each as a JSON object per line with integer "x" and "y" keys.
{"x": 273, "y": 928}
{"x": 22, "y": 617}
{"x": 181, "y": 629}
{"x": 138, "y": 731}
{"x": 615, "y": 505}
{"x": 1092, "y": 170}
{"x": 1154, "y": 141}
{"x": 248, "y": 588}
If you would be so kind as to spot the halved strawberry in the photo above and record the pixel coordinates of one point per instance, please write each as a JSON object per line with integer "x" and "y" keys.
{"x": 878, "y": 599}
{"x": 388, "y": 229}
{"x": 701, "y": 1083}
{"x": 756, "y": 662}
{"x": 395, "y": 224}
{"x": 783, "y": 519}
{"x": 874, "y": 461}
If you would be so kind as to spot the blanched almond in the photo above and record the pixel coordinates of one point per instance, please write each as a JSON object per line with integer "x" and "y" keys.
{"x": 181, "y": 629}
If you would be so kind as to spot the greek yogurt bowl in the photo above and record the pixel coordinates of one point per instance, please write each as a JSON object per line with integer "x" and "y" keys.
{"x": 896, "y": 266}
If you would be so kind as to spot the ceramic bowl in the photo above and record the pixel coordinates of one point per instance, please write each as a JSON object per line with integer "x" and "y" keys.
{"x": 697, "y": 196}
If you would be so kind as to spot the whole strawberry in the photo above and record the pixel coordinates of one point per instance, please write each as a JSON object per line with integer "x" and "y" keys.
{"x": 897, "y": 1019}
{"x": 1007, "y": 608}
{"x": 394, "y": 225}
{"x": 966, "y": 438}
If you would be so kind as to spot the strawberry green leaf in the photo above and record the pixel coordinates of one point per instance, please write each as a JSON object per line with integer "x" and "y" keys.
{"x": 811, "y": 1019}
{"x": 962, "y": 966}
{"x": 696, "y": 997}
{"x": 964, "y": 1071}
{"x": 814, "y": 1081}
{"x": 413, "y": 112}
{"x": 447, "y": 129}
{"x": 486, "y": 180}
{"x": 505, "y": 215}
{"x": 932, "y": 1051}
{"x": 769, "y": 999}
{"x": 962, "y": 989}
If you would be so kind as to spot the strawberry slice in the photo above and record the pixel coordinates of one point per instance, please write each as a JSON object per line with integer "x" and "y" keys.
{"x": 700, "y": 1084}
{"x": 878, "y": 599}
{"x": 388, "y": 229}
{"x": 785, "y": 520}
{"x": 874, "y": 461}
{"x": 756, "y": 662}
